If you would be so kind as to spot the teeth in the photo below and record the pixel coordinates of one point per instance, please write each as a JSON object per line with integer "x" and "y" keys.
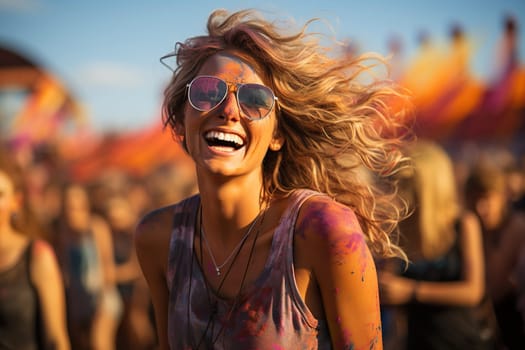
{"x": 224, "y": 137}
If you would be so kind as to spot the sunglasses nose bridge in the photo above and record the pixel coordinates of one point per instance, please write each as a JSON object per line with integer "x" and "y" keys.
{"x": 232, "y": 87}
{"x": 231, "y": 100}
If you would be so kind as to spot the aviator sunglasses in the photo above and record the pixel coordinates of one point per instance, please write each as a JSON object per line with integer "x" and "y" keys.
{"x": 206, "y": 92}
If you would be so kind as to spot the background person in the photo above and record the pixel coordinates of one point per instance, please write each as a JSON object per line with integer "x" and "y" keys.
{"x": 32, "y": 303}
{"x": 443, "y": 284}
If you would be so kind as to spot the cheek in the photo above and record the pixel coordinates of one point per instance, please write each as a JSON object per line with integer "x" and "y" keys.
{"x": 267, "y": 130}
{"x": 7, "y": 205}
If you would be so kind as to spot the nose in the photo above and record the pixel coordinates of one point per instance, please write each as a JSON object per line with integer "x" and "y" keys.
{"x": 229, "y": 108}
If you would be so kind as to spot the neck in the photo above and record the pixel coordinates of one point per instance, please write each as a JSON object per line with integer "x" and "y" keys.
{"x": 229, "y": 208}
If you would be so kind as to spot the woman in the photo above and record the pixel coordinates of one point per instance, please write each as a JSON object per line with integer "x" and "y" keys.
{"x": 276, "y": 249}
{"x": 32, "y": 306}
{"x": 503, "y": 231}
{"x": 135, "y": 330}
{"x": 85, "y": 251}
{"x": 443, "y": 285}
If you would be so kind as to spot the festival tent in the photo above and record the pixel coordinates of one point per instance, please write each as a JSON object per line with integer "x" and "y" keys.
{"x": 135, "y": 152}
{"x": 452, "y": 105}
{"x": 49, "y": 117}
{"x": 46, "y": 110}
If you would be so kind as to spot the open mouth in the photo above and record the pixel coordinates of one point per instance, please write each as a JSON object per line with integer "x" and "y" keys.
{"x": 224, "y": 140}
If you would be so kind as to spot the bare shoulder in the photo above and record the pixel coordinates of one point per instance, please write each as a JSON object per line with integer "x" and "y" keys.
{"x": 328, "y": 229}
{"x": 153, "y": 232}
{"x": 470, "y": 234}
{"x": 43, "y": 258}
{"x": 469, "y": 222}
{"x": 42, "y": 251}
{"x": 321, "y": 215}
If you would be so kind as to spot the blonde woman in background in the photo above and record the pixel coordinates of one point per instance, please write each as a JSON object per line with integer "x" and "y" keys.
{"x": 443, "y": 284}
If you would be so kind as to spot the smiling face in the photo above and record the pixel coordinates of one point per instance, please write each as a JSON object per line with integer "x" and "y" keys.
{"x": 223, "y": 141}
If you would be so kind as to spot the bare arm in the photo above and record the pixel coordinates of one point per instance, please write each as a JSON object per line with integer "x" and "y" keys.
{"x": 104, "y": 243}
{"x": 129, "y": 270}
{"x": 47, "y": 279}
{"x": 467, "y": 292}
{"x": 330, "y": 239}
{"x": 152, "y": 246}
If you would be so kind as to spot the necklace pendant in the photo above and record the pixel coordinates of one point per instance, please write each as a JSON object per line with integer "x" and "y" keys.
{"x": 218, "y": 271}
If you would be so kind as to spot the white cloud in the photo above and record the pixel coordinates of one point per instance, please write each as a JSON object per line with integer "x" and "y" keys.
{"x": 20, "y": 5}
{"x": 109, "y": 74}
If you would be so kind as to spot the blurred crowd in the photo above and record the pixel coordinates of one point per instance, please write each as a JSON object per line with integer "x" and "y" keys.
{"x": 462, "y": 287}
{"x": 90, "y": 227}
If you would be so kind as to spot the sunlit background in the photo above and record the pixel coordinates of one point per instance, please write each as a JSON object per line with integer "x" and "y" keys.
{"x": 99, "y": 72}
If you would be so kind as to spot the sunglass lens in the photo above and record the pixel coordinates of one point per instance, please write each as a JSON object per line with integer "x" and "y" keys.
{"x": 255, "y": 100}
{"x": 207, "y": 92}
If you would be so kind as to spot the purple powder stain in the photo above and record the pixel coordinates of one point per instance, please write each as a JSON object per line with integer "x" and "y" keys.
{"x": 347, "y": 336}
{"x": 325, "y": 216}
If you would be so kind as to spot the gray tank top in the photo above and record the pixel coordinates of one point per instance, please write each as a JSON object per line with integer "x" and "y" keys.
{"x": 270, "y": 313}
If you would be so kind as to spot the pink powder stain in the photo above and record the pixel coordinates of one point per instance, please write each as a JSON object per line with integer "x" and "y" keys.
{"x": 347, "y": 336}
{"x": 354, "y": 242}
{"x": 325, "y": 218}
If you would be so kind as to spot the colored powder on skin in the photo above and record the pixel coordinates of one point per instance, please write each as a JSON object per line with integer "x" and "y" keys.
{"x": 349, "y": 345}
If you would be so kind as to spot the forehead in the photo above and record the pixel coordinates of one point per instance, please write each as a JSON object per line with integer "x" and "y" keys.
{"x": 230, "y": 67}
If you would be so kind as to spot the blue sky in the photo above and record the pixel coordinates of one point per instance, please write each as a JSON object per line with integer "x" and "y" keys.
{"x": 107, "y": 52}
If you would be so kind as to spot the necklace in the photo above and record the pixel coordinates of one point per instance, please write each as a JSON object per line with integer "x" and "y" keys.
{"x": 234, "y": 251}
{"x": 214, "y": 308}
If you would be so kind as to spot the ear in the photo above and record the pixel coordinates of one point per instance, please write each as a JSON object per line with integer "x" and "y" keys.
{"x": 180, "y": 131}
{"x": 277, "y": 142}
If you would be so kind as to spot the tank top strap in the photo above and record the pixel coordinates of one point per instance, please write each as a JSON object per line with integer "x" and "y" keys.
{"x": 28, "y": 256}
{"x": 40, "y": 329}
{"x": 299, "y": 197}
{"x": 181, "y": 240}
{"x": 282, "y": 250}
{"x": 283, "y": 236}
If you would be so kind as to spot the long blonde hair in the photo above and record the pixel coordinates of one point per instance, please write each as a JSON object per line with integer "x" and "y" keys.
{"x": 336, "y": 128}
{"x": 430, "y": 188}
